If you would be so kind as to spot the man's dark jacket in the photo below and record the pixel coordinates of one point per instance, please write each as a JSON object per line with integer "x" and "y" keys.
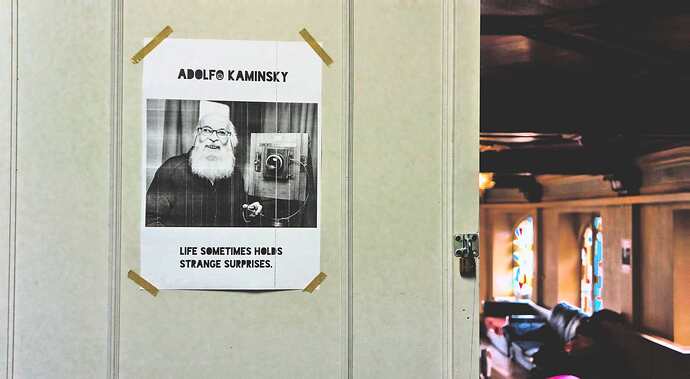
{"x": 178, "y": 197}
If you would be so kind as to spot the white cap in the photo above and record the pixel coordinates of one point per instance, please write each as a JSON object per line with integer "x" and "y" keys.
{"x": 210, "y": 107}
{"x": 209, "y": 110}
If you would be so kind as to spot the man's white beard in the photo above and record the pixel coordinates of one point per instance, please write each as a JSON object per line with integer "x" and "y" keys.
{"x": 212, "y": 169}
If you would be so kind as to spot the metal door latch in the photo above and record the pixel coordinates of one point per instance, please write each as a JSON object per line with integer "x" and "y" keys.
{"x": 466, "y": 247}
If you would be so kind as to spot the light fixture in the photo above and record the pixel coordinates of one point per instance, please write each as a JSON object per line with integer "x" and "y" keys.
{"x": 486, "y": 181}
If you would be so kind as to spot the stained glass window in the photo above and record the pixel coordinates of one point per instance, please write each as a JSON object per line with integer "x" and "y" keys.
{"x": 592, "y": 258}
{"x": 523, "y": 259}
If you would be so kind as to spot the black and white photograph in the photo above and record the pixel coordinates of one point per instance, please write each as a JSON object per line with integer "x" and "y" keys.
{"x": 231, "y": 164}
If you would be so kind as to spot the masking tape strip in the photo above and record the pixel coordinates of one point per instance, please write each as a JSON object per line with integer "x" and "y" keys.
{"x": 136, "y": 58}
{"x": 317, "y": 48}
{"x": 315, "y": 283}
{"x": 143, "y": 283}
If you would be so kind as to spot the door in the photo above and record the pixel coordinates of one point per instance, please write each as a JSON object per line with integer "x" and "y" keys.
{"x": 398, "y": 173}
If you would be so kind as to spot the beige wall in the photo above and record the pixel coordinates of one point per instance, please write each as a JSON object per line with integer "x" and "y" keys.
{"x": 6, "y": 177}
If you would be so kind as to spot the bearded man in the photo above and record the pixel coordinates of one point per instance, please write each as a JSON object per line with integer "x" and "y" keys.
{"x": 202, "y": 187}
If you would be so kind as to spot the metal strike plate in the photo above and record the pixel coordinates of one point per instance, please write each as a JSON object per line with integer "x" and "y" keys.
{"x": 466, "y": 247}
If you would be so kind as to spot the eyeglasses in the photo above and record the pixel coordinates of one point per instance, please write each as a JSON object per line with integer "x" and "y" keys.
{"x": 222, "y": 134}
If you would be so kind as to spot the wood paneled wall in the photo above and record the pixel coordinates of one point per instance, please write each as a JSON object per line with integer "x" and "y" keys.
{"x": 496, "y": 266}
{"x": 656, "y": 270}
{"x": 559, "y": 230}
{"x": 653, "y": 291}
{"x": 549, "y": 257}
{"x": 660, "y": 254}
{"x": 681, "y": 277}
{"x": 569, "y": 228}
{"x": 618, "y": 278}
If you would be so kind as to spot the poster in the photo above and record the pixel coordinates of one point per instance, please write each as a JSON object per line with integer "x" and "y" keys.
{"x": 231, "y": 159}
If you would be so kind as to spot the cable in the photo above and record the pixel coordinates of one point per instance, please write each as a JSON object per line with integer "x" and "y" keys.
{"x": 304, "y": 205}
{"x": 298, "y": 211}
{"x": 306, "y": 199}
{"x": 300, "y": 162}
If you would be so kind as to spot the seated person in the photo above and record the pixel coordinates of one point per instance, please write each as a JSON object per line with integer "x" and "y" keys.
{"x": 594, "y": 353}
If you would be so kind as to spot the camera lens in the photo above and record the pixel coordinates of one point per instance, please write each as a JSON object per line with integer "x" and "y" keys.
{"x": 274, "y": 162}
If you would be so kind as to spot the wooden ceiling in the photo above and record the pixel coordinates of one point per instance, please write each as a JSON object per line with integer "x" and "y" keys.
{"x": 582, "y": 87}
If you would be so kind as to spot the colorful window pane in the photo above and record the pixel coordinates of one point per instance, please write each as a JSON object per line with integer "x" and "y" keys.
{"x": 523, "y": 259}
{"x": 592, "y": 258}
{"x": 598, "y": 266}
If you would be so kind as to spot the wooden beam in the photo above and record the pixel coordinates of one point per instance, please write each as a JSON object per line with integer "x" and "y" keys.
{"x": 680, "y": 197}
{"x": 666, "y": 343}
{"x": 572, "y": 30}
{"x": 545, "y": 101}
{"x": 510, "y": 25}
{"x": 540, "y": 161}
{"x": 596, "y": 47}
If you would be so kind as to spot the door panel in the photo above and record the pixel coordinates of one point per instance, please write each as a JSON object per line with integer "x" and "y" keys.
{"x": 463, "y": 192}
{"x": 6, "y": 178}
{"x": 398, "y": 178}
{"x": 397, "y": 210}
{"x": 60, "y": 253}
{"x": 211, "y": 334}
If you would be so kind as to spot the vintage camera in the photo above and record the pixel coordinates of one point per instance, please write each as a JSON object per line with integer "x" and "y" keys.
{"x": 274, "y": 162}
{"x": 278, "y": 166}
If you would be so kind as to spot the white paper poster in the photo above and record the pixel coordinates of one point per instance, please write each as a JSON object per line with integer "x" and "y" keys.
{"x": 231, "y": 160}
